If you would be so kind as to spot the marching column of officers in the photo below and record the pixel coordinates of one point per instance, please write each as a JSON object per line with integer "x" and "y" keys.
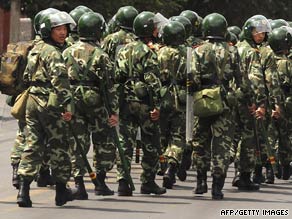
{"x": 139, "y": 64}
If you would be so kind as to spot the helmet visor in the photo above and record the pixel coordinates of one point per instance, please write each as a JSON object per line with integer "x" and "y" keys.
{"x": 62, "y": 18}
{"x": 261, "y": 26}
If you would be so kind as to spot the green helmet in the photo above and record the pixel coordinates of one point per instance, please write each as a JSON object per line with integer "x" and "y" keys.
{"x": 194, "y": 19}
{"x": 84, "y": 8}
{"x": 54, "y": 20}
{"x": 231, "y": 37}
{"x": 214, "y": 26}
{"x": 174, "y": 33}
{"x": 38, "y": 18}
{"x": 280, "y": 39}
{"x": 184, "y": 21}
{"x": 278, "y": 23}
{"x": 125, "y": 17}
{"x": 259, "y": 23}
{"x": 290, "y": 23}
{"x": 144, "y": 24}
{"x": 91, "y": 25}
{"x": 235, "y": 30}
{"x": 112, "y": 26}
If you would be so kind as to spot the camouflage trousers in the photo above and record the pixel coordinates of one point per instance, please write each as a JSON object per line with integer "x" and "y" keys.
{"x": 280, "y": 138}
{"x": 45, "y": 129}
{"x": 212, "y": 141}
{"x": 172, "y": 126}
{"x": 92, "y": 123}
{"x": 245, "y": 156}
{"x": 19, "y": 145}
{"x": 133, "y": 115}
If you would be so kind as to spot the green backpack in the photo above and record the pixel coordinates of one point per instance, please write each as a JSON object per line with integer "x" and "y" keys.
{"x": 13, "y": 63}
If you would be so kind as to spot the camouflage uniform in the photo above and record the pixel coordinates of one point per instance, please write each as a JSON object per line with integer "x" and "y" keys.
{"x": 90, "y": 117}
{"x": 136, "y": 62}
{"x": 171, "y": 61}
{"x": 282, "y": 133}
{"x": 46, "y": 74}
{"x": 213, "y": 135}
{"x": 253, "y": 75}
{"x": 20, "y": 143}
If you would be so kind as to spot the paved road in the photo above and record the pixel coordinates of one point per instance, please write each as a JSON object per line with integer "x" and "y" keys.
{"x": 179, "y": 203}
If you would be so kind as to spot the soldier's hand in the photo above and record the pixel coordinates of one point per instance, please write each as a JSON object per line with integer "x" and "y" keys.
{"x": 252, "y": 109}
{"x": 260, "y": 112}
{"x": 113, "y": 120}
{"x": 276, "y": 114}
{"x": 67, "y": 116}
{"x": 154, "y": 115}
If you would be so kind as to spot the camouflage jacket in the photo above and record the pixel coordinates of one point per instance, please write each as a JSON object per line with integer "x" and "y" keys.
{"x": 46, "y": 73}
{"x": 113, "y": 42}
{"x": 136, "y": 62}
{"x": 207, "y": 62}
{"x": 284, "y": 79}
{"x": 194, "y": 41}
{"x": 72, "y": 38}
{"x": 269, "y": 67}
{"x": 83, "y": 55}
{"x": 252, "y": 71}
{"x": 172, "y": 66}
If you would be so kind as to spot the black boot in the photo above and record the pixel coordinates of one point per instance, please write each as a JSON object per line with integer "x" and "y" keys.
{"x": 286, "y": 172}
{"x": 235, "y": 181}
{"x": 246, "y": 184}
{"x": 63, "y": 194}
{"x": 169, "y": 176}
{"x": 217, "y": 186}
{"x": 202, "y": 186}
{"x": 81, "y": 193}
{"x": 15, "y": 176}
{"x": 270, "y": 178}
{"x": 124, "y": 188}
{"x": 44, "y": 178}
{"x": 23, "y": 199}
{"x": 102, "y": 189}
{"x": 152, "y": 187}
{"x": 258, "y": 177}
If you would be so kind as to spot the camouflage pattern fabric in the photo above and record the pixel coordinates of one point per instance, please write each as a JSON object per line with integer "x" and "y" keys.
{"x": 253, "y": 75}
{"x": 90, "y": 115}
{"x": 213, "y": 135}
{"x": 172, "y": 66}
{"x": 46, "y": 67}
{"x": 113, "y": 42}
{"x": 136, "y": 62}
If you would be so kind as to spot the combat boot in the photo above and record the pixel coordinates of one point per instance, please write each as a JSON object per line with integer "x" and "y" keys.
{"x": 246, "y": 184}
{"x": 81, "y": 193}
{"x": 44, "y": 178}
{"x": 258, "y": 177}
{"x": 102, "y": 189}
{"x": 64, "y": 194}
{"x": 270, "y": 178}
{"x": 286, "y": 172}
{"x": 169, "y": 176}
{"x": 124, "y": 188}
{"x": 152, "y": 187}
{"x": 15, "y": 176}
{"x": 217, "y": 186}
{"x": 23, "y": 199}
{"x": 202, "y": 186}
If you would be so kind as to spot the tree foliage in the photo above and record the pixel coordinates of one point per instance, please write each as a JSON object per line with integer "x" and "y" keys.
{"x": 236, "y": 11}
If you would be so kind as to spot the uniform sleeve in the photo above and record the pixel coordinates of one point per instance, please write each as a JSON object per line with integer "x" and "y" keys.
{"x": 57, "y": 72}
{"x": 256, "y": 77}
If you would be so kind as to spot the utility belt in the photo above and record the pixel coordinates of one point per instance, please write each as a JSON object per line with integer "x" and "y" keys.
{"x": 83, "y": 83}
{"x": 41, "y": 84}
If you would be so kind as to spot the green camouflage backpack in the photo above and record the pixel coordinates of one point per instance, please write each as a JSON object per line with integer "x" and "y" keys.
{"x": 13, "y": 63}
